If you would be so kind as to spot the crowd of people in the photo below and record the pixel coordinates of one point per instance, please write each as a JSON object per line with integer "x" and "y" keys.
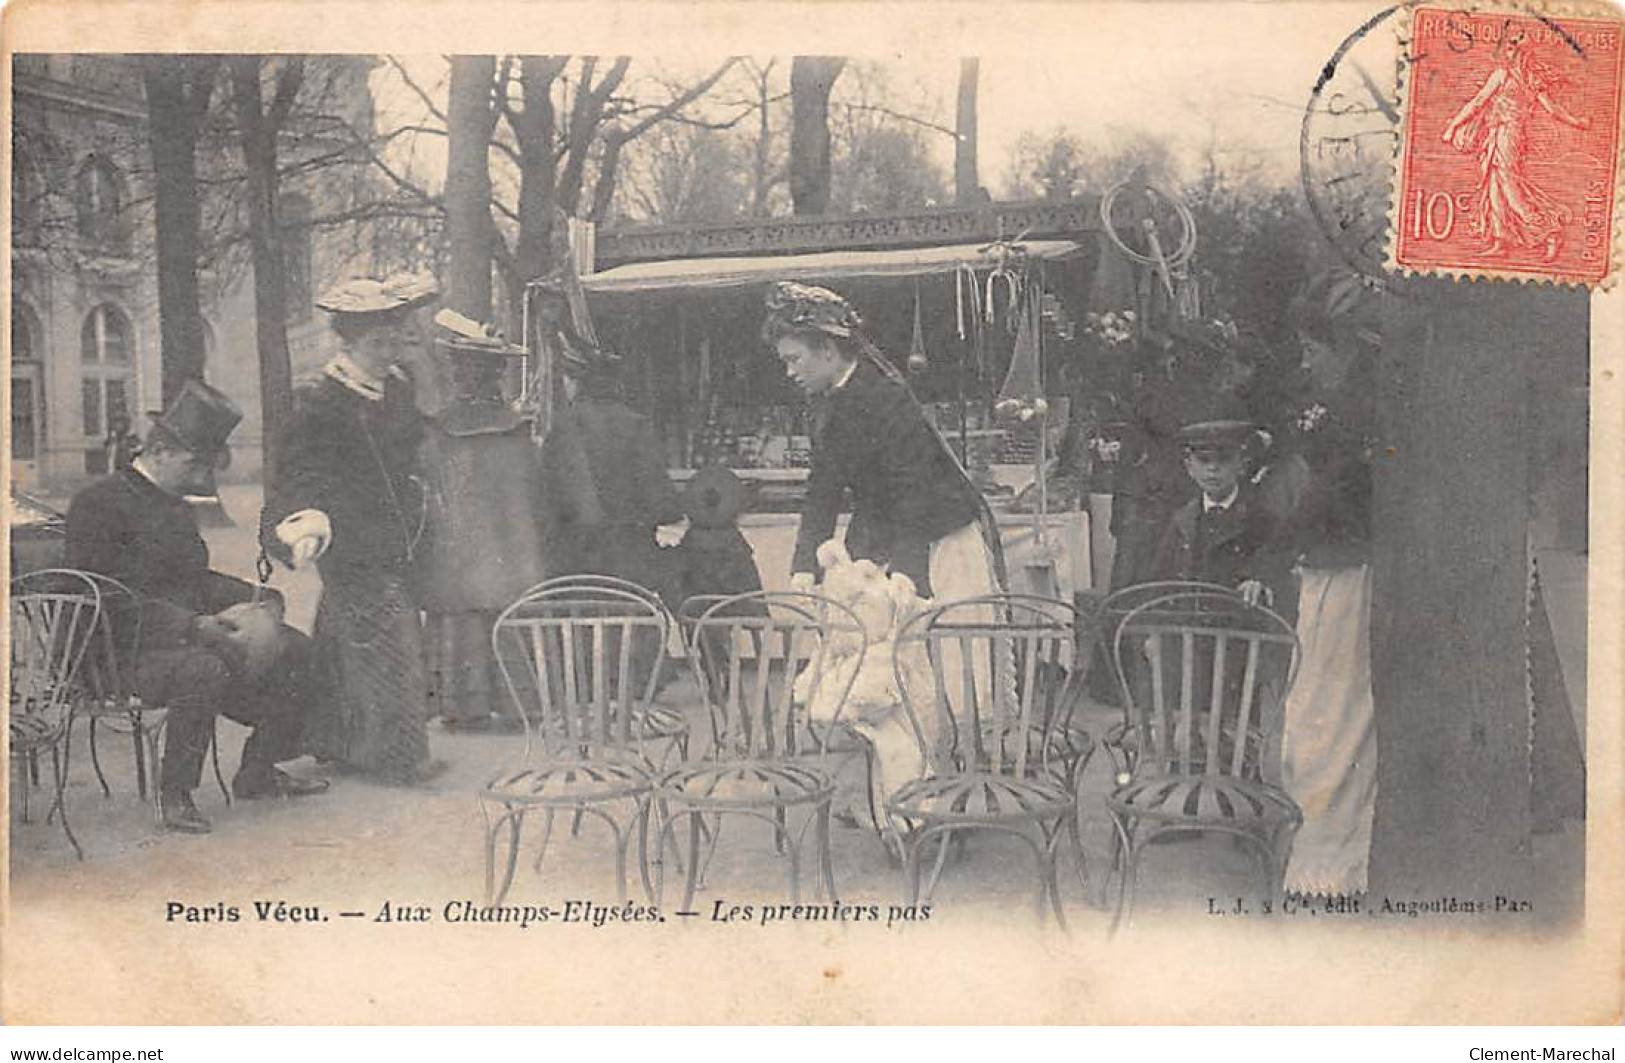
{"x": 427, "y": 515}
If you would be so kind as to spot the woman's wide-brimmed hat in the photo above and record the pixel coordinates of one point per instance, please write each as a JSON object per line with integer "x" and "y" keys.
{"x": 793, "y": 307}
{"x": 366, "y": 295}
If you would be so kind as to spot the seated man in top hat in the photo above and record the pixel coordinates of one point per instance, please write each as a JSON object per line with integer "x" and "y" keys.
{"x": 205, "y": 647}
{"x": 1225, "y": 535}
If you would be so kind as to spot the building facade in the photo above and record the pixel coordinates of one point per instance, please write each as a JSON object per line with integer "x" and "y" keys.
{"x": 85, "y": 352}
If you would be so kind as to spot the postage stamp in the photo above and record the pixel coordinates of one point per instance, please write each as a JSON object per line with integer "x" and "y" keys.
{"x": 1508, "y": 164}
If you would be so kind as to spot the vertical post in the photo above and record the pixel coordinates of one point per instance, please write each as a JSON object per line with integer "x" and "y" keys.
{"x": 1449, "y": 608}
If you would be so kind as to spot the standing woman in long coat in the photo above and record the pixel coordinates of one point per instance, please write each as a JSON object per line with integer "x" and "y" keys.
{"x": 346, "y": 497}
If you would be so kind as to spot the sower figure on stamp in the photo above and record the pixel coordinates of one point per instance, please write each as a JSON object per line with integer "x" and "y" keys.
{"x": 346, "y": 497}
{"x": 206, "y": 647}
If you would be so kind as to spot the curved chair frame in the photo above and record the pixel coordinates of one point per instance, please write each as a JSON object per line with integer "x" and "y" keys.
{"x": 1181, "y": 758}
{"x": 762, "y": 741}
{"x": 51, "y": 632}
{"x": 1030, "y": 791}
{"x": 589, "y": 734}
{"x": 110, "y": 694}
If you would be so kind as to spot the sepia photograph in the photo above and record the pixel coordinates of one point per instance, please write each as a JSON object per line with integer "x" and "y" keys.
{"x": 1092, "y": 504}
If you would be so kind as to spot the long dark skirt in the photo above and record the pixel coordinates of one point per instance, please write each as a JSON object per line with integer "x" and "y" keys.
{"x": 371, "y": 634}
{"x": 465, "y": 682}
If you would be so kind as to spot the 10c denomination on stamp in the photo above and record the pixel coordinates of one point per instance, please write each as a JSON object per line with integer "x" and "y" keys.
{"x": 1508, "y": 162}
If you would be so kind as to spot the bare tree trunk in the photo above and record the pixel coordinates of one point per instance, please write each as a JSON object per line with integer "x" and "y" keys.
{"x": 258, "y": 127}
{"x": 470, "y": 121}
{"x": 811, "y": 79}
{"x": 1448, "y": 617}
{"x": 178, "y": 91}
{"x": 967, "y": 186}
{"x": 761, "y": 175}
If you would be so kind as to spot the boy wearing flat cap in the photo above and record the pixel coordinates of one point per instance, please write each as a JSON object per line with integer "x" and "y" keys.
{"x": 1224, "y": 535}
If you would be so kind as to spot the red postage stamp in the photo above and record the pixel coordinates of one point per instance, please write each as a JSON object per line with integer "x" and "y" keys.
{"x": 1509, "y": 157}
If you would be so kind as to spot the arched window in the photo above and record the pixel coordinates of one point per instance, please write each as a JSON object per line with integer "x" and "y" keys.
{"x": 26, "y": 335}
{"x": 107, "y": 360}
{"x": 27, "y": 383}
{"x": 99, "y": 203}
{"x": 297, "y": 266}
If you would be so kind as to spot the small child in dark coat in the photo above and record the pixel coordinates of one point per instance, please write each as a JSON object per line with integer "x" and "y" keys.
{"x": 714, "y": 560}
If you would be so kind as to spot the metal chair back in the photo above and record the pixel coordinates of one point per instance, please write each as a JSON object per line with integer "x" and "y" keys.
{"x": 1003, "y": 681}
{"x": 108, "y": 671}
{"x": 1203, "y": 677}
{"x": 51, "y": 631}
{"x": 567, "y": 656}
{"x": 1111, "y": 610}
{"x": 754, "y": 653}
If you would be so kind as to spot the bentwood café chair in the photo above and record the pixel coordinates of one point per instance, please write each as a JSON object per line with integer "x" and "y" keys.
{"x": 1205, "y": 676}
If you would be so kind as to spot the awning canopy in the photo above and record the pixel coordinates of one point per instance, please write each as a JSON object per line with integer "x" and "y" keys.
{"x": 739, "y": 272}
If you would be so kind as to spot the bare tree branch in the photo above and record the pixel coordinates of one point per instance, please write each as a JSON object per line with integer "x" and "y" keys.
{"x": 288, "y": 81}
{"x": 875, "y": 108}
{"x": 411, "y": 83}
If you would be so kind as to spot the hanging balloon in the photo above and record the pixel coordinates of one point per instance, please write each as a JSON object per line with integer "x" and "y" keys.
{"x": 917, "y": 361}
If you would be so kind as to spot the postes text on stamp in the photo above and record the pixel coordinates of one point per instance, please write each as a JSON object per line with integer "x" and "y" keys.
{"x": 1509, "y": 156}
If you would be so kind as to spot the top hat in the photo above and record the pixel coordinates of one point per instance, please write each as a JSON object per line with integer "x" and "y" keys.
{"x": 200, "y": 418}
{"x": 365, "y": 295}
{"x": 714, "y": 497}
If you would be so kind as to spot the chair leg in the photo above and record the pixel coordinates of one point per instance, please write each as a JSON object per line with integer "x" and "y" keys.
{"x": 713, "y": 836}
{"x": 515, "y": 819}
{"x": 911, "y": 865}
{"x": 946, "y": 837}
{"x": 1052, "y": 852}
{"x": 793, "y": 851}
{"x": 214, "y": 755}
{"x": 1075, "y": 828}
{"x": 547, "y": 836}
{"x": 644, "y": 807}
{"x": 22, "y": 777}
{"x": 781, "y": 831}
{"x": 1126, "y": 859}
{"x": 693, "y": 861}
{"x": 137, "y": 736}
{"x": 150, "y": 739}
{"x": 825, "y": 856}
{"x": 620, "y": 856}
{"x": 60, "y": 754}
{"x": 96, "y": 761}
{"x": 59, "y": 770}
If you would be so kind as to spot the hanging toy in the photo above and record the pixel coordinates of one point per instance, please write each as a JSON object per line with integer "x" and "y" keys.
{"x": 917, "y": 361}
{"x": 1022, "y": 396}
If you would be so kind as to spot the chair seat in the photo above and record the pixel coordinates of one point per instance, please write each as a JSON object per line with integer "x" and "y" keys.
{"x": 1222, "y": 800}
{"x": 746, "y": 783}
{"x": 980, "y": 797}
{"x": 570, "y": 782}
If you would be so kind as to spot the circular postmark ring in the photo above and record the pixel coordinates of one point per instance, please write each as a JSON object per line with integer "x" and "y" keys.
{"x": 1348, "y": 194}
